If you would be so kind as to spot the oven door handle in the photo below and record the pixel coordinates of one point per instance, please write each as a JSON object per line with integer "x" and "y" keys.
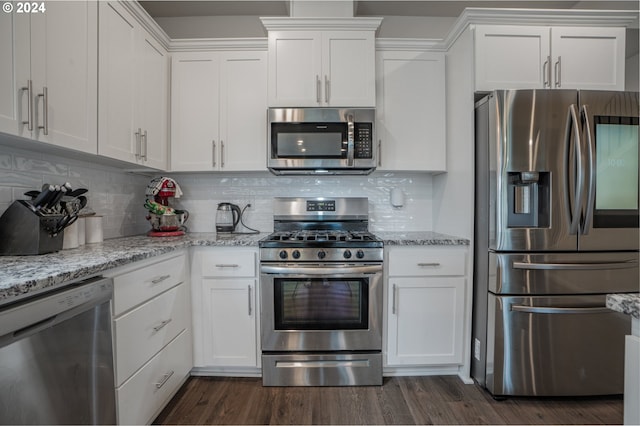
{"x": 321, "y": 270}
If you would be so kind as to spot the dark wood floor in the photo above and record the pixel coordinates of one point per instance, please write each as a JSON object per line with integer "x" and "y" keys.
{"x": 401, "y": 400}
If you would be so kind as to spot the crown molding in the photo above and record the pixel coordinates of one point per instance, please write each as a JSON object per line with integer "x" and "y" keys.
{"x": 308, "y": 24}
{"x": 218, "y": 44}
{"x": 147, "y": 22}
{"x": 543, "y": 17}
{"x": 410, "y": 44}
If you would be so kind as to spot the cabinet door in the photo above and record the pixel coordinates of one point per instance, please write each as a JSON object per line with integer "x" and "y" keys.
{"x": 411, "y": 111}
{"x": 348, "y": 69}
{"x": 15, "y": 73}
{"x": 153, "y": 102}
{"x": 230, "y": 322}
{"x": 425, "y": 317}
{"x": 65, "y": 76}
{"x": 195, "y": 96}
{"x": 295, "y": 68}
{"x": 588, "y": 58}
{"x": 511, "y": 57}
{"x": 118, "y": 89}
{"x": 243, "y": 111}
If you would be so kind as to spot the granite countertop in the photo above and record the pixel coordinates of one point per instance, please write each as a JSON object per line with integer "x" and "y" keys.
{"x": 627, "y": 303}
{"x": 28, "y": 275}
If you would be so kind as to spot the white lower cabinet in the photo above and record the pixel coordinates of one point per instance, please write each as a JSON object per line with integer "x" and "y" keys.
{"x": 225, "y": 310}
{"x": 151, "y": 334}
{"x": 425, "y": 306}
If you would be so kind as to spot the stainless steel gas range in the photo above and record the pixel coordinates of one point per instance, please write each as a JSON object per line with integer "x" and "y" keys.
{"x": 321, "y": 295}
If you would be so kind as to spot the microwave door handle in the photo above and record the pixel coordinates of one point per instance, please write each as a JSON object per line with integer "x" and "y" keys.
{"x": 350, "y": 141}
{"x": 591, "y": 164}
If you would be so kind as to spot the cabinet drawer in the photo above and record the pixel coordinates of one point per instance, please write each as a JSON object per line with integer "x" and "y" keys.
{"x": 133, "y": 288}
{"x": 142, "y": 332}
{"x": 229, "y": 263}
{"x": 426, "y": 262}
{"x": 144, "y": 395}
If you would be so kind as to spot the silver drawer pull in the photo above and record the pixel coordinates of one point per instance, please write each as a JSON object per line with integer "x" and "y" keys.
{"x": 227, "y": 265}
{"x": 164, "y": 379}
{"x": 560, "y": 310}
{"x": 433, "y": 264}
{"x": 160, "y": 279}
{"x": 162, "y": 325}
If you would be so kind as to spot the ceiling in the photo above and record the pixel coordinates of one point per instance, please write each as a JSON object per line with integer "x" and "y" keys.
{"x": 175, "y": 8}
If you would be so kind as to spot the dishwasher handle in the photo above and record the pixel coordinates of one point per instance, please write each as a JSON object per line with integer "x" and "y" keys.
{"x": 23, "y": 319}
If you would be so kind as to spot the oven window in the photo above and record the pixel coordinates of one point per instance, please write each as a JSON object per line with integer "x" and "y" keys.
{"x": 321, "y": 303}
{"x": 309, "y": 140}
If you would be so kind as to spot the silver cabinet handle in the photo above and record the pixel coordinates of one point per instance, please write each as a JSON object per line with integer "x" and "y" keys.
{"x": 160, "y": 279}
{"x": 213, "y": 155}
{"x": 575, "y": 266}
{"x": 162, "y": 325}
{"x": 249, "y": 297}
{"x": 318, "y": 88}
{"x": 379, "y": 152}
{"x": 430, "y": 264}
{"x": 559, "y": 310}
{"x": 227, "y": 265}
{"x": 222, "y": 154}
{"x": 138, "y": 135}
{"x": 164, "y": 379}
{"x": 143, "y": 144}
{"x": 394, "y": 299}
{"x": 45, "y": 110}
{"x": 558, "y": 72}
{"x": 327, "y": 90}
{"x": 546, "y": 73}
{"x": 29, "y": 90}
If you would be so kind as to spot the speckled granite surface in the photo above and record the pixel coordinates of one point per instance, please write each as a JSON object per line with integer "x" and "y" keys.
{"x": 625, "y": 302}
{"x": 22, "y": 275}
{"x": 426, "y": 238}
{"x": 28, "y": 275}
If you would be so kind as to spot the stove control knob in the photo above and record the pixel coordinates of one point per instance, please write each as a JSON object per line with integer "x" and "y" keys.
{"x": 282, "y": 254}
{"x": 359, "y": 254}
{"x": 347, "y": 254}
{"x": 296, "y": 254}
{"x": 321, "y": 254}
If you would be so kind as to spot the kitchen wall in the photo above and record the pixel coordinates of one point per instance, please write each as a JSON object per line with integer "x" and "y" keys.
{"x": 203, "y": 192}
{"x": 117, "y": 195}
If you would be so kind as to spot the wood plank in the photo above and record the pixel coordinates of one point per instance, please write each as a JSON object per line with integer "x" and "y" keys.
{"x": 401, "y": 400}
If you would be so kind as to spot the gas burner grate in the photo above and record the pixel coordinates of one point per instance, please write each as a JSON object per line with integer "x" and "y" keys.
{"x": 317, "y": 236}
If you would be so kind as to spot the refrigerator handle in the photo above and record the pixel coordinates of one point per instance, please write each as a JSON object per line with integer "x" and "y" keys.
{"x": 575, "y": 266}
{"x": 577, "y": 190}
{"x": 591, "y": 164}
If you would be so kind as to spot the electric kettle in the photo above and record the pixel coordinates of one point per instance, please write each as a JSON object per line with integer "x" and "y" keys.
{"x": 227, "y": 217}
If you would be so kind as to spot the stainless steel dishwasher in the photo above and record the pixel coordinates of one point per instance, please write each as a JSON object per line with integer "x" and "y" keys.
{"x": 56, "y": 357}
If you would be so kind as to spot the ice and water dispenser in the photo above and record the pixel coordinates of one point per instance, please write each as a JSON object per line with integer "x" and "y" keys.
{"x": 529, "y": 199}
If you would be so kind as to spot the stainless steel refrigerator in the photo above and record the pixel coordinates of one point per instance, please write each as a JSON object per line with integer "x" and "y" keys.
{"x": 556, "y": 229}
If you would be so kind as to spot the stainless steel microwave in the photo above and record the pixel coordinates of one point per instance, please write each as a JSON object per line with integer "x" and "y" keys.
{"x": 321, "y": 140}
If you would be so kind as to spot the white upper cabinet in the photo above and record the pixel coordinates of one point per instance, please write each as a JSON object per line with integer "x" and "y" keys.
{"x": 218, "y": 111}
{"x": 48, "y": 76}
{"x": 133, "y": 90}
{"x": 532, "y": 57}
{"x": 411, "y": 110}
{"x": 321, "y": 68}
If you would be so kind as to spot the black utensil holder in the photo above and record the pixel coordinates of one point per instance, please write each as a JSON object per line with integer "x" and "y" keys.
{"x": 24, "y": 231}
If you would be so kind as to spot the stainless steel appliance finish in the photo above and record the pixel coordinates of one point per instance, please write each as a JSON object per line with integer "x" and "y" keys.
{"x": 56, "y": 360}
{"x": 321, "y": 295}
{"x": 556, "y": 229}
{"x": 321, "y": 140}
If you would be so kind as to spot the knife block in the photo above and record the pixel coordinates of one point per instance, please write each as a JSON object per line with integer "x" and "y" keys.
{"x": 24, "y": 231}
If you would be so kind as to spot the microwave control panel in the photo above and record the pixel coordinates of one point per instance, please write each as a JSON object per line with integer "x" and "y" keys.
{"x": 363, "y": 143}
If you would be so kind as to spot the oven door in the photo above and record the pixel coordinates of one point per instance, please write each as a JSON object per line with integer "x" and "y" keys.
{"x": 321, "y": 307}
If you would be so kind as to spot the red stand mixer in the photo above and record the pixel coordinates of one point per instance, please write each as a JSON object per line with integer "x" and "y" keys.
{"x": 165, "y": 220}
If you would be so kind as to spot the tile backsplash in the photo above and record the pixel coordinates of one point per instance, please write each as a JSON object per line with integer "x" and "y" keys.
{"x": 203, "y": 192}
{"x": 119, "y": 195}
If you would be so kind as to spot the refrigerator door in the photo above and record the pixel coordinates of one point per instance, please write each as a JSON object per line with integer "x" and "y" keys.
{"x": 610, "y": 131}
{"x": 531, "y": 152}
{"x": 555, "y": 346}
